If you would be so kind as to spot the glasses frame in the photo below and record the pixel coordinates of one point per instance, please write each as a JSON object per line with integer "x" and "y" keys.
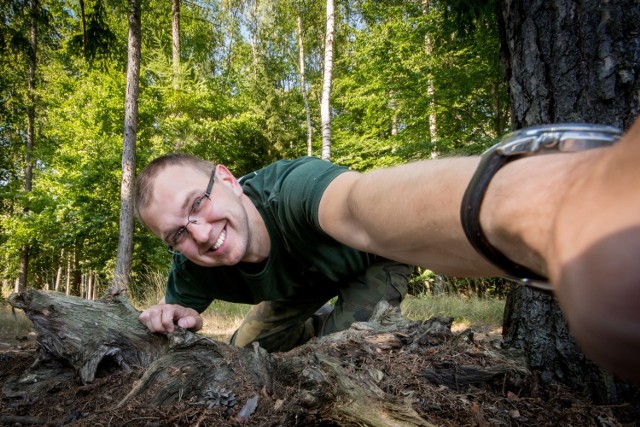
{"x": 184, "y": 228}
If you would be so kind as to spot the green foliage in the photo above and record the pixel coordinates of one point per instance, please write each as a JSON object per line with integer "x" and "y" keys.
{"x": 400, "y": 69}
{"x": 425, "y": 281}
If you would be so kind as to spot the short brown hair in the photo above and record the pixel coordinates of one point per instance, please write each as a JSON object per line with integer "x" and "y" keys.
{"x": 146, "y": 178}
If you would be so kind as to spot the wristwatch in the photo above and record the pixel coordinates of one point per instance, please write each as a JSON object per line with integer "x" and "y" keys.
{"x": 559, "y": 138}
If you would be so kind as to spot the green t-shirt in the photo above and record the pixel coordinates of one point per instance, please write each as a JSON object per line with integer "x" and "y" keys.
{"x": 304, "y": 261}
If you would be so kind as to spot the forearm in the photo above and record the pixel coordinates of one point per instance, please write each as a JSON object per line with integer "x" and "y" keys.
{"x": 410, "y": 213}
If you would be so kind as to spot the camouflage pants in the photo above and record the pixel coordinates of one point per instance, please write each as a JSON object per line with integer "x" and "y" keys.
{"x": 281, "y": 325}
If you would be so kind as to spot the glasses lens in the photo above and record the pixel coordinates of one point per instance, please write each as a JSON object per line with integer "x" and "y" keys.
{"x": 199, "y": 208}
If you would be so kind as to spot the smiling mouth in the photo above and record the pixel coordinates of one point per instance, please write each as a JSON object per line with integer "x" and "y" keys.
{"x": 220, "y": 241}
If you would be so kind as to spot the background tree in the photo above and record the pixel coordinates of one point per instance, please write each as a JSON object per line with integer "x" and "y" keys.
{"x": 221, "y": 111}
{"x": 175, "y": 37}
{"x": 327, "y": 76}
{"x": 303, "y": 86}
{"x": 125, "y": 241}
{"x": 34, "y": 11}
{"x": 566, "y": 62}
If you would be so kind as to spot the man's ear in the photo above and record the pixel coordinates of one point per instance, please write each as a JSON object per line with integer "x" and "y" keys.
{"x": 225, "y": 177}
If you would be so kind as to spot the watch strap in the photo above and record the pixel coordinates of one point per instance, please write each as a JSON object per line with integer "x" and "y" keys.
{"x": 490, "y": 163}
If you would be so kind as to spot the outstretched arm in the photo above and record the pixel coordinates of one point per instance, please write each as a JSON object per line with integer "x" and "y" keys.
{"x": 572, "y": 217}
{"x": 408, "y": 212}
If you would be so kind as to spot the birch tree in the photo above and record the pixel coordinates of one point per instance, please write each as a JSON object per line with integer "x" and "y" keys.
{"x": 175, "y": 37}
{"x": 325, "y": 106}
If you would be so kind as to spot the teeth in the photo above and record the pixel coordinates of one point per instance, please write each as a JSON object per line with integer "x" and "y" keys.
{"x": 220, "y": 240}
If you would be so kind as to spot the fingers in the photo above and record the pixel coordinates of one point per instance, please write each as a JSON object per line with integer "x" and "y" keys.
{"x": 193, "y": 323}
{"x": 163, "y": 317}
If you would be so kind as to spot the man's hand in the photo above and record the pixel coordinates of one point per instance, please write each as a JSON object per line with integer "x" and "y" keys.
{"x": 163, "y": 318}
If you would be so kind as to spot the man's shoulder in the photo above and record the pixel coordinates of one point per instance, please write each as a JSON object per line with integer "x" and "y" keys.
{"x": 281, "y": 168}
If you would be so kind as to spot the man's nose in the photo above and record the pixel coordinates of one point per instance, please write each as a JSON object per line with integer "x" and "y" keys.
{"x": 200, "y": 231}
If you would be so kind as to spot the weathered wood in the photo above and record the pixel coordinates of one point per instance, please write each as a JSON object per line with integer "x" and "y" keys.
{"x": 83, "y": 333}
{"x": 340, "y": 379}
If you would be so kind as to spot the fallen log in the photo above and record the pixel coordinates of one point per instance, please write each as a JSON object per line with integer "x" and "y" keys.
{"x": 345, "y": 378}
{"x": 77, "y": 338}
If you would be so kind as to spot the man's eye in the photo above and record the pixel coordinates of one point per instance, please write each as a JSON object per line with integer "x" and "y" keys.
{"x": 179, "y": 236}
{"x": 197, "y": 204}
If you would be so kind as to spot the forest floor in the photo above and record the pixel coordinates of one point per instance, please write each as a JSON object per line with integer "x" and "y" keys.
{"x": 499, "y": 400}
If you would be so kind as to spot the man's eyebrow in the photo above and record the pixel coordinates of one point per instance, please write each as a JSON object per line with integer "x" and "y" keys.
{"x": 187, "y": 200}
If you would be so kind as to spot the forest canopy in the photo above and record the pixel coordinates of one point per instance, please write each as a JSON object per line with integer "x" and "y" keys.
{"x": 411, "y": 80}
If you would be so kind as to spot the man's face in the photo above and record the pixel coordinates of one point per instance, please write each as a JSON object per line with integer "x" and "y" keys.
{"x": 218, "y": 234}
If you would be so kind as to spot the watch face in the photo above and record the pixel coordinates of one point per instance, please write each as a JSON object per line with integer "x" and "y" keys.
{"x": 531, "y": 283}
{"x": 563, "y": 137}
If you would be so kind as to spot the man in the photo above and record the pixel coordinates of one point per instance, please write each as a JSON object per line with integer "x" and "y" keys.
{"x": 573, "y": 218}
{"x": 257, "y": 241}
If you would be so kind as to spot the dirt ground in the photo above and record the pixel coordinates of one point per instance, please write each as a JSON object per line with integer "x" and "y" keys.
{"x": 514, "y": 398}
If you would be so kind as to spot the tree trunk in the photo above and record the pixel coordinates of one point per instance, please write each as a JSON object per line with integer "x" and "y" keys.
{"x": 84, "y": 28}
{"x": 125, "y": 240}
{"x": 175, "y": 36}
{"x": 76, "y": 279}
{"x": 303, "y": 86}
{"x": 59, "y": 272}
{"x": 23, "y": 275}
{"x": 566, "y": 61}
{"x": 431, "y": 91}
{"x": 89, "y": 294}
{"x": 325, "y": 107}
{"x": 67, "y": 285}
{"x": 254, "y": 39}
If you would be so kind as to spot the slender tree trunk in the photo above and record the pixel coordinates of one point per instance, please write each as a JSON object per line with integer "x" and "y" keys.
{"x": 325, "y": 107}
{"x": 96, "y": 286}
{"x": 393, "y": 106}
{"x": 30, "y": 135}
{"x": 84, "y": 28}
{"x": 254, "y": 39}
{"x": 59, "y": 272}
{"x": 67, "y": 287}
{"x": 431, "y": 89}
{"x": 566, "y": 61}
{"x": 175, "y": 35}
{"x": 90, "y": 285}
{"x": 303, "y": 87}
{"x": 76, "y": 279}
{"x": 125, "y": 241}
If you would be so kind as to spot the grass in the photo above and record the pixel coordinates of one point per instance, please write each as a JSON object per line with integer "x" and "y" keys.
{"x": 468, "y": 312}
{"x": 222, "y": 318}
{"x": 14, "y": 324}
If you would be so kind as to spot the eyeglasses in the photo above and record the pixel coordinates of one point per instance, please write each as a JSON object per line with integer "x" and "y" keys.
{"x": 197, "y": 208}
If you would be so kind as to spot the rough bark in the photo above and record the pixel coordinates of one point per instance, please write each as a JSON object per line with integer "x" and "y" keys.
{"x": 335, "y": 378}
{"x": 77, "y": 337}
{"x": 23, "y": 275}
{"x": 566, "y": 61}
{"x": 125, "y": 236}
